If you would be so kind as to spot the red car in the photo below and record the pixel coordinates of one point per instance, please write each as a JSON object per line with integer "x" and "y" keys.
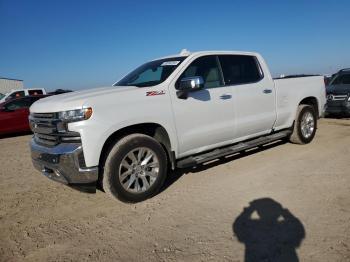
{"x": 14, "y": 114}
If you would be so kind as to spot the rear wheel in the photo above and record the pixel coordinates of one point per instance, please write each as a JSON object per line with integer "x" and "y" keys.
{"x": 135, "y": 168}
{"x": 305, "y": 125}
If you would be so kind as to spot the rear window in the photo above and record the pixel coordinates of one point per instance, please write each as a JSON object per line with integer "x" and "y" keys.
{"x": 240, "y": 69}
{"x": 35, "y": 92}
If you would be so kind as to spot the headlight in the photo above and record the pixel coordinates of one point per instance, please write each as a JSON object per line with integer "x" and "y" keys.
{"x": 75, "y": 115}
{"x": 349, "y": 98}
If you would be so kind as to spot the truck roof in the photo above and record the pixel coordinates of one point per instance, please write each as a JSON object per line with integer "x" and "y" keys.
{"x": 185, "y": 53}
{"x": 29, "y": 89}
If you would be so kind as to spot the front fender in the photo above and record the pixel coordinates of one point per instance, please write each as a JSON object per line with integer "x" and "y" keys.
{"x": 94, "y": 136}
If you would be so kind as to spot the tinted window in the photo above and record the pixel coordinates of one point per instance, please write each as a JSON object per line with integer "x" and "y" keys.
{"x": 341, "y": 80}
{"x": 35, "y": 92}
{"x": 239, "y": 69}
{"x": 151, "y": 73}
{"x": 206, "y": 67}
{"x": 17, "y": 94}
{"x": 19, "y": 103}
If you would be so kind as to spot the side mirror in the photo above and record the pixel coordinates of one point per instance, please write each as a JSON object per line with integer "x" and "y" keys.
{"x": 189, "y": 84}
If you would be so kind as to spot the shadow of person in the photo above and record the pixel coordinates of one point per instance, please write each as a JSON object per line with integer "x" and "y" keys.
{"x": 268, "y": 231}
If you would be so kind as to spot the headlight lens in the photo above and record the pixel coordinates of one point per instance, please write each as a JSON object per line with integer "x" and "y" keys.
{"x": 75, "y": 115}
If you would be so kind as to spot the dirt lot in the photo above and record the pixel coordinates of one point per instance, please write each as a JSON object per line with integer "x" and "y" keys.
{"x": 202, "y": 214}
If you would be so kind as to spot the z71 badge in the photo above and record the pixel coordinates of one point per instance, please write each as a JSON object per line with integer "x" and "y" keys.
{"x": 155, "y": 93}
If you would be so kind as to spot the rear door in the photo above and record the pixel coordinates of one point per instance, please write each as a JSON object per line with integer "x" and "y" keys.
{"x": 253, "y": 95}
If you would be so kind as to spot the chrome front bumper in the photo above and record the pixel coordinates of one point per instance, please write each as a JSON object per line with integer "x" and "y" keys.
{"x": 63, "y": 163}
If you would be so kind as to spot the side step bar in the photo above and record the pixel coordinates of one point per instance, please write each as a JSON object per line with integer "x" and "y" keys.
{"x": 220, "y": 152}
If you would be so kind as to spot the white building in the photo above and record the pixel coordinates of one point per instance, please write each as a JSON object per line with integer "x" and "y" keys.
{"x": 8, "y": 84}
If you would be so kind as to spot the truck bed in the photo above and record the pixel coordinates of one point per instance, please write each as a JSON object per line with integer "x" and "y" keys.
{"x": 289, "y": 93}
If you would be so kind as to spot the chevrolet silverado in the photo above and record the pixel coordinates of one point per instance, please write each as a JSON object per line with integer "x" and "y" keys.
{"x": 173, "y": 112}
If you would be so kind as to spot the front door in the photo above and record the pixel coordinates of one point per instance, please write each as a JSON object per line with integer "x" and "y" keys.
{"x": 14, "y": 117}
{"x": 206, "y": 118}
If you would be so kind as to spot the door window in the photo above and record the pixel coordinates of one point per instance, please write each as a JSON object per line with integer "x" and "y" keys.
{"x": 207, "y": 67}
{"x": 17, "y": 94}
{"x": 19, "y": 104}
{"x": 240, "y": 69}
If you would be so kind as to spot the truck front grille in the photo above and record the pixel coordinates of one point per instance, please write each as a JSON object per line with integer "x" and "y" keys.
{"x": 50, "y": 140}
{"x": 49, "y": 130}
{"x": 44, "y": 115}
{"x": 337, "y": 97}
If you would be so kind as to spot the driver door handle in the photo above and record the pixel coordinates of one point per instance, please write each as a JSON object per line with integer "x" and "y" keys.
{"x": 225, "y": 96}
{"x": 267, "y": 91}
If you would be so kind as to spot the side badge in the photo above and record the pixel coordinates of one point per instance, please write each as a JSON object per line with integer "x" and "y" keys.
{"x": 155, "y": 93}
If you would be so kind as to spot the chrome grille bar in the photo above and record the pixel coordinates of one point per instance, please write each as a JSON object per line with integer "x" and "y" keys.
{"x": 332, "y": 97}
{"x": 50, "y": 131}
{"x": 339, "y": 97}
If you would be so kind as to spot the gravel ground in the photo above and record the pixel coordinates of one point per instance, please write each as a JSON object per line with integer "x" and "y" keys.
{"x": 283, "y": 202}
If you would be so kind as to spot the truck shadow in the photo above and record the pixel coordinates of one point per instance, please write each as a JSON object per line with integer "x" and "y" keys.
{"x": 173, "y": 176}
{"x": 268, "y": 231}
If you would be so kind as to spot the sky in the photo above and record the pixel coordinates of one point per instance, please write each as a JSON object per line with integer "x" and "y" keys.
{"x": 73, "y": 44}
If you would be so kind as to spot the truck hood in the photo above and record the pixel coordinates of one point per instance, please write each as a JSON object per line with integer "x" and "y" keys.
{"x": 75, "y": 100}
{"x": 338, "y": 89}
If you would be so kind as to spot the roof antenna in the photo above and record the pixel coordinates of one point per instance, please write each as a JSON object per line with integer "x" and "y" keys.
{"x": 184, "y": 52}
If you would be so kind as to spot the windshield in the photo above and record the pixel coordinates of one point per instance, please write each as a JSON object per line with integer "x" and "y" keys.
{"x": 343, "y": 79}
{"x": 151, "y": 73}
{"x": 1, "y": 95}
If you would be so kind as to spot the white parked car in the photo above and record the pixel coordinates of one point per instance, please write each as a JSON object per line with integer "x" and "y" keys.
{"x": 173, "y": 112}
{"x": 21, "y": 93}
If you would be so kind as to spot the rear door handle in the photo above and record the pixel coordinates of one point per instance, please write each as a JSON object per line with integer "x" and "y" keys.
{"x": 225, "y": 96}
{"x": 267, "y": 91}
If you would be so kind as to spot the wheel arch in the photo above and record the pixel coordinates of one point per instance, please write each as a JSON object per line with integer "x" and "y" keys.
{"x": 157, "y": 131}
{"x": 312, "y": 101}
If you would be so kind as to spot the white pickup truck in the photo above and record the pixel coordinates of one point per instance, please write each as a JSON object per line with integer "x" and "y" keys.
{"x": 173, "y": 112}
{"x": 21, "y": 93}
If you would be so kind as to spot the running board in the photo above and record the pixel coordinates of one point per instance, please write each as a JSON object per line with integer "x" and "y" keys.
{"x": 220, "y": 152}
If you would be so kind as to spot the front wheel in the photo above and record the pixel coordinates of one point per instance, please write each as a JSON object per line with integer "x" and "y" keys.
{"x": 135, "y": 168}
{"x": 305, "y": 125}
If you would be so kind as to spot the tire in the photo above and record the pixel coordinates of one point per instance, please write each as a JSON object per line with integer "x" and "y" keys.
{"x": 305, "y": 125}
{"x": 135, "y": 168}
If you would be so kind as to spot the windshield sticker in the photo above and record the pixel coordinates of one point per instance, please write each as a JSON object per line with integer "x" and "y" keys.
{"x": 155, "y": 93}
{"x": 170, "y": 63}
